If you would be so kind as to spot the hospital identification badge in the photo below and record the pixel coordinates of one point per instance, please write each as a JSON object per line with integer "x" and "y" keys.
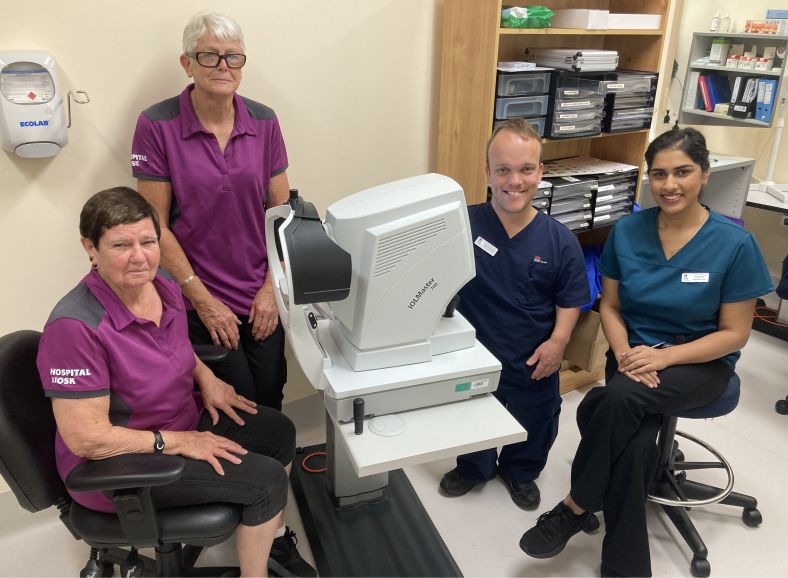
{"x": 694, "y": 277}
{"x": 485, "y": 246}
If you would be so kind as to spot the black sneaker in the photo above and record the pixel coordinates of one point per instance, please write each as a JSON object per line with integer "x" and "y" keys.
{"x": 454, "y": 484}
{"x": 524, "y": 494}
{"x": 552, "y": 531}
{"x": 285, "y": 553}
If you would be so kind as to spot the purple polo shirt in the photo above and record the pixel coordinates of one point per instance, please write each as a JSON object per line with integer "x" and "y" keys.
{"x": 92, "y": 345}
{"x": 217, "y": 212}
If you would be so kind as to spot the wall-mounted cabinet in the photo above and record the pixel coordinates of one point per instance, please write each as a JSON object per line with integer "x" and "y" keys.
{"x": 473, "y": 43}
{"x": 705, "y": 62}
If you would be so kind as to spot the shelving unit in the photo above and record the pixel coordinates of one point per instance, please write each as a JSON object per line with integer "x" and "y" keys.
{"x": 701, "y": 46}
{"x": 474, "y": 42}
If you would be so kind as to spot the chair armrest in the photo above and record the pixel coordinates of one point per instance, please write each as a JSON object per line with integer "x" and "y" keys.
{"x": 124, "y": 472}
{"x": 210, "y": 353}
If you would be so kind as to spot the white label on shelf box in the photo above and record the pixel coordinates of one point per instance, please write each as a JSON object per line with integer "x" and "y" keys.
{"x": 604, "y": 207}
{"x": 571, "y": 92}
{"x": 620, "y": 85}
{"x": 567, "y": 115}
{"x": 601, "y": 218}
{"x": 575, "y": 103}
{"x": 604, "y": 198}
{"x": 606, "y": 187}
{"x": 572, "y": 179}
{"x": 566, "y": 127}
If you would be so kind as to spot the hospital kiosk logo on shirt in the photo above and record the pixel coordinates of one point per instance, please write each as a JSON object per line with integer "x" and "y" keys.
{"x": 64, "y": 376}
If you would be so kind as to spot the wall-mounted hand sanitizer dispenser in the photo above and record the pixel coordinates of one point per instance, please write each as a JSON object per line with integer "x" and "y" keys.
{"x": 32, "y": 115}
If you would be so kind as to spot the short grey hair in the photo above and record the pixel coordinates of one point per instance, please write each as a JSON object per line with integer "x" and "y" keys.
{"x": 221, "y": 26}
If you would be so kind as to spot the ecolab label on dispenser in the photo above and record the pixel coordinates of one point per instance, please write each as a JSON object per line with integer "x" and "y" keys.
{"x": 34, "y": 123}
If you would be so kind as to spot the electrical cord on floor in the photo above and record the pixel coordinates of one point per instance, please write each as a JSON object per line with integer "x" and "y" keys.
{"x": 306, "y": 468}
{"x": 768, "y": 317}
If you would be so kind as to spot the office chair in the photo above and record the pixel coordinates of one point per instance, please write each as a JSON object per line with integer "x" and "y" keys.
{"x": 677, "y": 495}
{"x": 27, "y": 462}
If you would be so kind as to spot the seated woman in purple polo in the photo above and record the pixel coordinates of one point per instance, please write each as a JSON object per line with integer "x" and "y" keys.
{"x": 116, "y": 360}
{"x": 211, "y": 161}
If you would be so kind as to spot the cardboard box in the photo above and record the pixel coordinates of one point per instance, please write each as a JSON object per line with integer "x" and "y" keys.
{"x": 587, "y": 347}
{"x": 579, "y": 18}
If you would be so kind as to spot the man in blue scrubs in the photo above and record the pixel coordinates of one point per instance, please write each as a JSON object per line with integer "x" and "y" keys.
{"x": 524, "y": 302}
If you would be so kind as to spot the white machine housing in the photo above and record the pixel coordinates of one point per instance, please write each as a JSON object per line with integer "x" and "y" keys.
{"x": 32, "y": 114}
{"x": 411, "y": 249}
{"x": 388, "y": 341}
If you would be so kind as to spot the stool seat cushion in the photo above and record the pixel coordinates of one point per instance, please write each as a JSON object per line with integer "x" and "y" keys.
{"x": 724, "y": 404}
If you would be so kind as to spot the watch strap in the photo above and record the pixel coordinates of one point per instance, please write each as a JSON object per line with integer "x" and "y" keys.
{"x": 158, "y": 442}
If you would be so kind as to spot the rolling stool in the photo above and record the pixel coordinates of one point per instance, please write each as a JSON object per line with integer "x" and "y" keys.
{"x": 677, "y": 495}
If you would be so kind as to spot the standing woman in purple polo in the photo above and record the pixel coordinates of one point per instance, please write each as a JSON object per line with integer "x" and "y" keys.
{"x": 210, "y": 161}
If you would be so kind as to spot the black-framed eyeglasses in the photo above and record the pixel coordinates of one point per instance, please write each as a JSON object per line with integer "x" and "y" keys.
{"x": 212, "y": 60}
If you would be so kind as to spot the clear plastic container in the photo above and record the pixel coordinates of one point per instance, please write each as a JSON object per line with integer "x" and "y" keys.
{"x": 523, "y": 83}
{"x": 537, "y": 122}
{"x": 595, "y": 101}
{"x": 520, "y": 106}
{"x": 569, "y": 205}
{"x": 577, "y": 115}
{"x": 628, "y": 84}
{"x": 575, "y": 129}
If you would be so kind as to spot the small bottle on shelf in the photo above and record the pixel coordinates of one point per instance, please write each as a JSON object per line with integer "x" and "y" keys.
{"x": 725, "y": 23}
{"x": 715, "y": 22}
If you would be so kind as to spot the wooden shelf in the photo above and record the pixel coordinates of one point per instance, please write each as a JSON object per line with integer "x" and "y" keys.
{"x": 581, "y": 32}
{"x": 473, "y": 43}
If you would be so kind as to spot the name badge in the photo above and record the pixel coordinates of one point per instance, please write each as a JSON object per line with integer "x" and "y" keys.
{"x": 694, "y": 277}
{"x": 488, "y": 248}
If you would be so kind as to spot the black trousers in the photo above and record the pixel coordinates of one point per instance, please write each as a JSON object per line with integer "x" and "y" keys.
{"x": 617, "y": 456}
{"x": 259, "y": 483}
{"x": 257, "y": 369}
{"x": 522, "y": 461}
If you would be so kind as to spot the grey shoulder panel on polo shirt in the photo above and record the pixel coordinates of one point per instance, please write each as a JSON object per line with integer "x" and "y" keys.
{"x": 257, "y": 110}
{"x": 79, "y": 304}
{"x": 164, "y": 110}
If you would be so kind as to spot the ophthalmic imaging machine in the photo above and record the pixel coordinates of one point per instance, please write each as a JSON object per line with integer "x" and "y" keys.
{"x": 366, "y": 301}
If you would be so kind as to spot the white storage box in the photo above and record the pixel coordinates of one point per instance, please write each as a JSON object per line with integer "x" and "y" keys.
{"x": 637, "y": 21}
{"x": 579, "y": 18}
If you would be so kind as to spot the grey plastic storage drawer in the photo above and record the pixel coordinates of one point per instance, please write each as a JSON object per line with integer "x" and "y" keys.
{"x": 522, "y": 83}
{"x": 537, "y": 122}
{"x": 520, "y": 106}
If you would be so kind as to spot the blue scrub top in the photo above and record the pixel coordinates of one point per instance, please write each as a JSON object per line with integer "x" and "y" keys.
{"x": 677, "y": 300}
{"x": 511, "y": 302}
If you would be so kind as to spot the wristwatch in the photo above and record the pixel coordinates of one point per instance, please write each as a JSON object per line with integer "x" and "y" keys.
{"x": 158, "y": 442}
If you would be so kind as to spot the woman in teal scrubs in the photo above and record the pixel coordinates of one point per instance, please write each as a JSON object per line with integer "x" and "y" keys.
{"x": 678, "y": 292}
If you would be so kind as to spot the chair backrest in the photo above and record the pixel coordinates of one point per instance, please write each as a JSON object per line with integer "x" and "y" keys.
{"x": 27, "y": 425}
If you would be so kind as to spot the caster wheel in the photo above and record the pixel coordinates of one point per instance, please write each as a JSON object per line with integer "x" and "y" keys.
{"x": 700, "y": 567}
{"x": 678, "y": 456}
{"x": 592, "y": 525}
{"x": 96, "y": 569}
{"x": 751, "y": 517}
{"x": 781, "y": 407}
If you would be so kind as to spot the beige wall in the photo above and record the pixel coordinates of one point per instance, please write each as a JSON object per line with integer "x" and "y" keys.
{"x": 351, "y": 81}
{"x": 745, "y": 142}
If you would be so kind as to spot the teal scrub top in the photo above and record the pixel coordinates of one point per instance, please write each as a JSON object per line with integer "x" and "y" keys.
{"x": 678, "y": 300}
